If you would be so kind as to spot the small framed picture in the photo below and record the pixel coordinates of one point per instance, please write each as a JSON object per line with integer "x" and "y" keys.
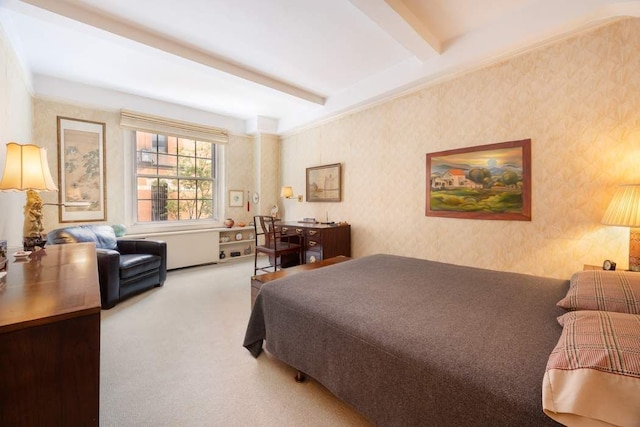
{"x": 236, "y": 198}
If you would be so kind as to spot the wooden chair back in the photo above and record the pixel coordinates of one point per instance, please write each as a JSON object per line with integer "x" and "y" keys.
{"x": 275, "y": 244}
{"x": 265, "y": 226}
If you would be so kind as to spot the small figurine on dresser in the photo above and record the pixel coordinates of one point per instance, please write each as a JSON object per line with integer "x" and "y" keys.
{"x": 3, "y": 254}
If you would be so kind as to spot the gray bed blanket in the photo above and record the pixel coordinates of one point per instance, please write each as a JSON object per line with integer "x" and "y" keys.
{"x": 414, "y": 342}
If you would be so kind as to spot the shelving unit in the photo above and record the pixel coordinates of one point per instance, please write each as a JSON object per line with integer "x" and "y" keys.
{"x": 229, "y": 242}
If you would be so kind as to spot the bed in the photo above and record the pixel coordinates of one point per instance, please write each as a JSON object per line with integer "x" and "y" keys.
{"x": 414, "y": 342}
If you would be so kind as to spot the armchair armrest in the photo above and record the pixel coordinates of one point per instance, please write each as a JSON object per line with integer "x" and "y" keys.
{"x": 142, "y": 246}
{"x": 145, "y": 246}
{"x": 109, "y": 276}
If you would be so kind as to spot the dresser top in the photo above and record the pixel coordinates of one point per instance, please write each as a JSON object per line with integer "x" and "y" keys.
{"x": 53, "y": 284}
{"x": 293, "y": 224}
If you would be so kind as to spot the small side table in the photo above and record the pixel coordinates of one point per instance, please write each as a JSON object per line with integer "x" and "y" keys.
{"x": 591, "y": 267}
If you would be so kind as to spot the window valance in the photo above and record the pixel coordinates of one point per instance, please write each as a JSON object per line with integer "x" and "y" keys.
{"x": 162, "y": 125}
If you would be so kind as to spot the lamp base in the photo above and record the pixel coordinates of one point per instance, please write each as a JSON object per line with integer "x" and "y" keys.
{"x": 30, "y": 243}
{"x": 634, "y": 249}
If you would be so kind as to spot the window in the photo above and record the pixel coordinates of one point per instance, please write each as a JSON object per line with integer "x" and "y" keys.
{"x": 159, "y": 142}
{"x": 175, "y": 178}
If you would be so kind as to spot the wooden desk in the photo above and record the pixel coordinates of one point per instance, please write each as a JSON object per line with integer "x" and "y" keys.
{"x": 260, "y": 279}
{"x": 320, "y": 241}
{"x": 50, "y": 338}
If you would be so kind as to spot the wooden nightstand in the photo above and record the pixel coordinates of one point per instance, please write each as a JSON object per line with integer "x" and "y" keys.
{"x": 591, "y": 267}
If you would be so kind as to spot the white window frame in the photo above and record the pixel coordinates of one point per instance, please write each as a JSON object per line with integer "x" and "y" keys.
{"x": 131, "y": 205}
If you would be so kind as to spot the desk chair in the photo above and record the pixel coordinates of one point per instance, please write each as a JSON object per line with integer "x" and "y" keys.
{"x": 275, "y": 244}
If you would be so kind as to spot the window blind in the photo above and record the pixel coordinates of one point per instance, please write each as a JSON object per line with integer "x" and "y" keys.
{"x": 162, "y": 125}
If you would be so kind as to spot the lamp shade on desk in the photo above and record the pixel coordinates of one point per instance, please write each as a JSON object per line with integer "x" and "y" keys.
{"x": 26, "y": 168}
{"x": 624, "y": 211}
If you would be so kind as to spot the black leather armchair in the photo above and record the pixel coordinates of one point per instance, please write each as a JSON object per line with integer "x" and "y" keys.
{"x": 125, "y": 266}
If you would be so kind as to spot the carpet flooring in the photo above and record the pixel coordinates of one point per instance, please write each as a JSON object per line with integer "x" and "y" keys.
{"x": 173, "y": 356}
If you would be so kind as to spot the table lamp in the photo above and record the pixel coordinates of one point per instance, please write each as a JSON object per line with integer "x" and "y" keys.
{"x": 624, "y": 211}
{"x": 26, "y": 169}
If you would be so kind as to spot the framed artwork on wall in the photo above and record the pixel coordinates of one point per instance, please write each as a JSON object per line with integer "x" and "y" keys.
{"x": 236, "y": 198}
{"x": 484, "y": 182}
{"x": 81, "y": 170}
{"x": 324, "y": 183}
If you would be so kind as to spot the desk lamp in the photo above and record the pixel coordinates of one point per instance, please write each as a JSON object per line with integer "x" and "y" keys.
{"x": 26, "y": 169}
{"x": 624, "y": 210}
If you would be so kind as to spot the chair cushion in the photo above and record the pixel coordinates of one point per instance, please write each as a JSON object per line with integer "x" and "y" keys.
{"x": 133, "y": 264}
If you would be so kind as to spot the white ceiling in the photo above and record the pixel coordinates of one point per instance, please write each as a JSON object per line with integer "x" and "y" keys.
{"x": 287, "y": 62}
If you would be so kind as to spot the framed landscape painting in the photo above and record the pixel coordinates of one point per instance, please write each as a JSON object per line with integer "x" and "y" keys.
{"x": 484, "y": 182}
{"x": 81, "y": 171}
{"x": 324, "y": 183}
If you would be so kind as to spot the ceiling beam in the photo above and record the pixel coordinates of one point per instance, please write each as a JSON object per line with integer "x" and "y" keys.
{"x": 402, "y": 25}
{"x": 415, "y": 23}
{"x": 132, "y": 31}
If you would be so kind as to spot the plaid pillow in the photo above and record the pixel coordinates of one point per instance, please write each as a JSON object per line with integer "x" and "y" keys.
{"x": 603, "y": 290}
{"x": 593, "y": 373}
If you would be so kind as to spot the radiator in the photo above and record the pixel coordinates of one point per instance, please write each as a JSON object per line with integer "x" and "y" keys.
{"x": 187, "y": 248}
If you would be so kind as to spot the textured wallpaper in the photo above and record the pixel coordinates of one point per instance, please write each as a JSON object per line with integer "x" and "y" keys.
{"x": 15, "y": 125}
{"x": 577, "y": 99}
{"x": 267, "y": 172}
{"x": 238, "y": 154}
{"x": 45, "y": 134}
{"x": 239, "y": 175}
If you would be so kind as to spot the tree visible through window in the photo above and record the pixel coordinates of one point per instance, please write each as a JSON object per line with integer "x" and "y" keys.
{"x": 176, "y": 178}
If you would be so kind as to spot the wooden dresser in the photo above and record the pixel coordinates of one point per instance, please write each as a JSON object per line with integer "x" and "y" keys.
{"x": 50, "y": 338}
{"x": 321, "y": 241}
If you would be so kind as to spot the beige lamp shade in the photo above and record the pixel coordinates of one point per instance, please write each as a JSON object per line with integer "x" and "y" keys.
{"x": 286, "y": 192}
{"x": 26, "y": 168}
{"x": 624, "y": 209}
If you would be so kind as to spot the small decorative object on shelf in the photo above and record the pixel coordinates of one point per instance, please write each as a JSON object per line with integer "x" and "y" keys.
{"x": 234, "y": 241}
{"x": 229, "y": 222}
{"x": 242, "y": 224}
{"x": 274, "y": 211}
{"x": 222, "y": 255}
{"x": 119, "y": 229}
